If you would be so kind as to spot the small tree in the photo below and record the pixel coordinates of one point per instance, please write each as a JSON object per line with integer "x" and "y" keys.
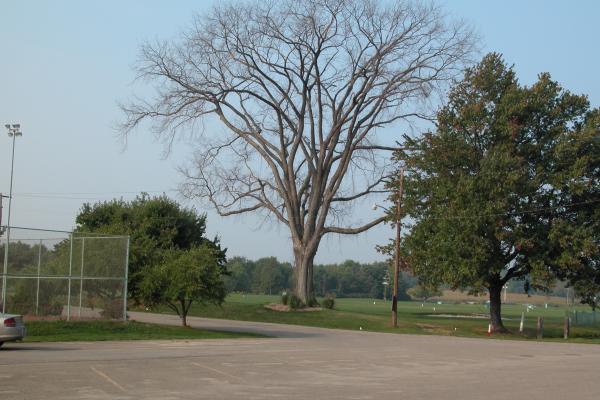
{"x": 155, "y": 224}
{"x": 185, "y": 277}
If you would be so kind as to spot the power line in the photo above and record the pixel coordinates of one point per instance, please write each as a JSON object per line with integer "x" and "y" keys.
{"x": 77, "y": 195}
{"x": 114, "y": 192}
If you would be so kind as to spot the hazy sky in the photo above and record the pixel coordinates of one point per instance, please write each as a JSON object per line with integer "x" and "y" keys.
{"x": 64, "y": 65}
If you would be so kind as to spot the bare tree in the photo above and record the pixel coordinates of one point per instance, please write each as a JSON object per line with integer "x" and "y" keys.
{"x": 300, "y": 89}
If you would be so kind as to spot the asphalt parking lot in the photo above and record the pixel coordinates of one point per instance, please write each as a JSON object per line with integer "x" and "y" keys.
{"x": 301, "y": 363}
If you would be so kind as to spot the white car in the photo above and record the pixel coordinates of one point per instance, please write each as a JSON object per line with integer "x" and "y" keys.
{"x": 11, "y": 328}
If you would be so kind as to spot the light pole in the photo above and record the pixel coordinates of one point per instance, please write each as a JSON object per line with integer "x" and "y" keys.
{"x": 14, "y": 130}
{"x": 397, "y": 219}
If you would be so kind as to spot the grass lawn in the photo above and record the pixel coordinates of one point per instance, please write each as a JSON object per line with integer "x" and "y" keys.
{"x": 413, "y": 317}
{"x": 63, "y": 331}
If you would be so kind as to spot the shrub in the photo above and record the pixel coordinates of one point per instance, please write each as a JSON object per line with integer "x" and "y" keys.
{"x": 313, "y": 303}
{"x": 55, "y": 307}
{"x": 328, "y": 302}
{"x": 285, "y": 297}
{"x": 112, "y": 309}
{"x": 295, "y": 303}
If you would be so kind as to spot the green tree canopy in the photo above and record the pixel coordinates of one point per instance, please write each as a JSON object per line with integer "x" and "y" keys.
{"x": 184, "y": 277}
{"x": 506, "y": 187}
{"x": 155, "y": 224}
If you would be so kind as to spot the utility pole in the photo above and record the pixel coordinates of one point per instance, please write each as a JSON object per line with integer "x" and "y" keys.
{"x": 397, "y": 249}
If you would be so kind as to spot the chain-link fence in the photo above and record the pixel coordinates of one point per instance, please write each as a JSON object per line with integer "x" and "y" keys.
{"x": 585, "y": 318}
{"x": 64, "y": 274}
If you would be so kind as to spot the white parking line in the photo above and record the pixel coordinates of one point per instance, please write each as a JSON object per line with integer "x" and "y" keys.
{"x": 109, "y": 379}
{"x": 218, "y": 371}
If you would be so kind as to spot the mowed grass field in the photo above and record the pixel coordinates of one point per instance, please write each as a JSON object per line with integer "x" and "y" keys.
{"x": 453, "y": 296}
{"x": 469, "y": 320}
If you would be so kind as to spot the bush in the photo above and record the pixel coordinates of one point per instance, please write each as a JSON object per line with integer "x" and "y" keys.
{"x": 112, "y": 309}
{"x": 55, "y": 307}
{"x": 294, "y": 302}
{"x": 328, "y": 302}
{"x": 313, "y": 303}
{"x": 285, "y": 297}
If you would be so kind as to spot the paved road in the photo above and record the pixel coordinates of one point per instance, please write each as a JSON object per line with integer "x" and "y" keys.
{"x": 301, "y": 363}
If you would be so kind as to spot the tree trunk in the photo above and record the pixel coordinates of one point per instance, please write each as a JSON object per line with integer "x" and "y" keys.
{"x": 183, "y": 314}
{"x": 495, "y": 290}
{"x": 303, "y": 268}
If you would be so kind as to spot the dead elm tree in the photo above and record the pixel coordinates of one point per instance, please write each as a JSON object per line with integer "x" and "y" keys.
{"x": 285, "y": 100}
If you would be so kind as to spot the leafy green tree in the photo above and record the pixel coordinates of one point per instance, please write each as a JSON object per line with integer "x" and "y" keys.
{"x": 270, "y": 276}
{"x": 241, "y": 271}
{"x": 21, "y": 256}
{"x": 503, "y": 186}
{"x": 184, "y": 277}
{"x": 155, "y": 224}
{"x": 575, "y": 231}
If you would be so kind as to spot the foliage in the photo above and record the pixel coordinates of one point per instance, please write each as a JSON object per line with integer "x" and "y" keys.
{"x": 496, "y": 191}
{"x": 154, "y": 225}
{"x": 347, "y": 279}
{"x": 265, "y": 275}
{"x": 575, "y": 230}
{"x": 423, "y": 292}
{"x": 285, "y": 298}
{"x": 295, "y": 302}
{"x": 328, "y": 302}
{"x": 185, "y": 277}
{"x": 112, "y": 308}
{"x": 23, "y": 301}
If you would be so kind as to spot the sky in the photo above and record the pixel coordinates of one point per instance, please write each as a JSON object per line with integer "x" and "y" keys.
{"x": 66, "y": 64}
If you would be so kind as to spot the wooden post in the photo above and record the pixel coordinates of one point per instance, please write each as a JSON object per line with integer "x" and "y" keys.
{"x": 540, "y": 328}
{"x": 566, "y": 327}
{"x": 397, "y": 250}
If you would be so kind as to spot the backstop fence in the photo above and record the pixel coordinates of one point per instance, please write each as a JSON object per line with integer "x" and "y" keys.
{"x": 584, "y": 318}
{"x": 48, "y": 273}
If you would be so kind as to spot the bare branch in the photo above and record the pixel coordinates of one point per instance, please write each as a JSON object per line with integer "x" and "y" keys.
{"x": 353, "y": 231}
{"x": 290, "y": 96}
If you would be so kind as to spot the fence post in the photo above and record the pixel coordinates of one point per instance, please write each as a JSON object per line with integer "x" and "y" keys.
{"x": 81, "y": 276}
{"x": 5, "y": 269}
{"x": 540, "y": 328}
{"x": 37, "y": 290}
{"x": 566, "y": 327}
{"x": 126, "y": 279}
{"x": 69, "y": 279}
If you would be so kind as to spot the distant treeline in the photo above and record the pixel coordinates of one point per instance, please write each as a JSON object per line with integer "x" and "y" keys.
{"x": 348, "y": 279}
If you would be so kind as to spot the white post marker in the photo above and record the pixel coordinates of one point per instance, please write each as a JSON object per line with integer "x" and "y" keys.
{"x": 522, "y": 322}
